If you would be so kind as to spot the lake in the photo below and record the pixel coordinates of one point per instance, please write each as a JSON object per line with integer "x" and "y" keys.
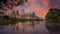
{"x": 34, "y": 27}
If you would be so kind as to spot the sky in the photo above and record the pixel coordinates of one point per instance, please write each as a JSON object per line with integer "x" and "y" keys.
{"x": 55, "y": 3}
{"x": 40, "y": 7}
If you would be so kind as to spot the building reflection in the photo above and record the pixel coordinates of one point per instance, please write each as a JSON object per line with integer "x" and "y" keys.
{"x": 14, "y": 26}
{"x": 24, "y": 25}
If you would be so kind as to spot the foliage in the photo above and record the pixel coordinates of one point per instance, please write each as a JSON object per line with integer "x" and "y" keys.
{"x": 53, "y": 16}
{"x": 7, "y": 19}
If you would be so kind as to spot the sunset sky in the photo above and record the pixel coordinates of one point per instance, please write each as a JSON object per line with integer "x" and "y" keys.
{"x": 40, "y": 7}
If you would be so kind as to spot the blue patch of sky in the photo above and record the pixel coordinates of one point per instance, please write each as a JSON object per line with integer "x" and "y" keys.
{"x": 28, "y": 9}
{"x": 52, "y": 2}
{"x": 41, "y": 4}
{"x": 22, "y": 7}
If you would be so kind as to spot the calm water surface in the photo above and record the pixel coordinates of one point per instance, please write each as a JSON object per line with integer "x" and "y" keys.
{"x": 35, "y": 27}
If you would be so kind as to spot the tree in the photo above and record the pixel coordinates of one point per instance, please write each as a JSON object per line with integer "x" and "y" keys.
{"x": 53, "y": 16}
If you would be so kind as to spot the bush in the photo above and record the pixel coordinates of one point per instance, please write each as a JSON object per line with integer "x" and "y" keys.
{"x": 7, "y": 19}
{"x": 53, "y": 16}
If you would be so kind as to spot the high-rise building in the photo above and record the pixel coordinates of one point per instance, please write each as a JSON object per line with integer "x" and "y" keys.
{"x": 17, "y": 12}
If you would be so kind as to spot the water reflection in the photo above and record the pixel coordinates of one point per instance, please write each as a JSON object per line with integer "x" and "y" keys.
{"x": 23, "y": 25}
{"x": 34, "y": 27}
{"x": 1, "y": 27}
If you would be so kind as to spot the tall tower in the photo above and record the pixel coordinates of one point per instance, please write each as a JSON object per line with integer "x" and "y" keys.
{"x": 33, "y": 14}
{"x": 23, "y": 11}
{"x": 17, "y": 13}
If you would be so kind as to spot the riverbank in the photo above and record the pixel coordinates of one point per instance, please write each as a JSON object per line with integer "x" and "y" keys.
{"x": 8, "y": 20}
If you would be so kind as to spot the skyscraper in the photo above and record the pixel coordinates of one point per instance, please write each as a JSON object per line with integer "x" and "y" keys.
{"x": 17, "y": 12}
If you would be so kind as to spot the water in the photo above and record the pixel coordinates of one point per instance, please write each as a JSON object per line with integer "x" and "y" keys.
{"x": 34, "y": 27}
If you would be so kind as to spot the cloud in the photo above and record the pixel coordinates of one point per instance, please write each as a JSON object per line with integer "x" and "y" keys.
{"x": 41, "y": 4}
{"x": 40, "y": 7}
{"x": 42, "y": 10}
{"x": 55, "y": 3}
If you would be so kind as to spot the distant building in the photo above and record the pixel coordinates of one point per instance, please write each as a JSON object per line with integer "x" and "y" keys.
{"x": 30, "y": 16}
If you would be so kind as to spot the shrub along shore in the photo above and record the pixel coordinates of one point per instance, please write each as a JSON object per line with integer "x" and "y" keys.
{"x": 11, "y": 20}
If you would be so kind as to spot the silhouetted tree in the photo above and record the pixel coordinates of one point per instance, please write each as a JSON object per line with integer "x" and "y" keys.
{"x": 53, "y": 16}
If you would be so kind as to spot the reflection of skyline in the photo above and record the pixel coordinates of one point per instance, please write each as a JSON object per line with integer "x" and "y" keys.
{"x": 25, "y": 28}
{"x": 21, "y": 26}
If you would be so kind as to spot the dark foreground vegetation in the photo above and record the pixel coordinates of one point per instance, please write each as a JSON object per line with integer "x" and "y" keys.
{"x": 12, "y": 20}
{"x": 7, "y": 19}
{"x": 53, "y": 19}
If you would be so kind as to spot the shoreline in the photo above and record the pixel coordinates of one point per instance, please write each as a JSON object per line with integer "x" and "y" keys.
{"x": 11, "y": 20}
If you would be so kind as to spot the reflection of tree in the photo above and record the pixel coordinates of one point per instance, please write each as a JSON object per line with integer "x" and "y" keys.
{"x": 14, "y": 26}
{"x": 24, "y": 25}
{"x": 33, "y": 24}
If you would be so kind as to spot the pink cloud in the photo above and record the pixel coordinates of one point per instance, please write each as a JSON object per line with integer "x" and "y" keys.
{"x": 41, "y": 11}
{"x": 38, "y": 9}
{"x": 32, "y": 5}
